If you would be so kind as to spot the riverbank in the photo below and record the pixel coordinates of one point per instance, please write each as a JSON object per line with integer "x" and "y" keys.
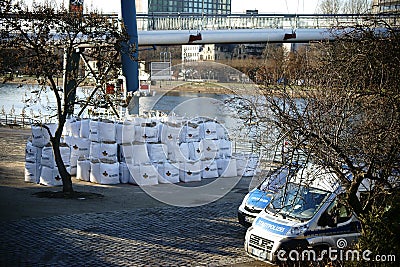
{"x": 161, "y": 87}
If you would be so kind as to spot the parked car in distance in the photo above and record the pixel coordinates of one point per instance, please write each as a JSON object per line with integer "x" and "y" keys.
{"x": 260, "y": 197}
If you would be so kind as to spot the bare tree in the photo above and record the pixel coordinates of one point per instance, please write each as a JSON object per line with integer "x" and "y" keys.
{"x": 344, "y": 6}
{"x": 330, "y": 6}
{"x": 357, "y": 6}
{"x": 345, "y": 117}
{"x": 52, "y": 40}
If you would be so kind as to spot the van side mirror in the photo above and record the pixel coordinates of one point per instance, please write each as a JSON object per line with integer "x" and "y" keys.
{"x": 327, "y": 220}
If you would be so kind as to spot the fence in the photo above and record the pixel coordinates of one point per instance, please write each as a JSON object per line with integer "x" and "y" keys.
{"x": 15, "y": 120}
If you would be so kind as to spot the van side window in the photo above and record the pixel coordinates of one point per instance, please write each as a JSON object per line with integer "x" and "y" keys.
{"x": 339, "y": 211}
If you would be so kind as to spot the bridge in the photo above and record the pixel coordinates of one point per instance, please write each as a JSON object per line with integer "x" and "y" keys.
{"x": 189, "y": 21}
{"x": 186, "y": 28}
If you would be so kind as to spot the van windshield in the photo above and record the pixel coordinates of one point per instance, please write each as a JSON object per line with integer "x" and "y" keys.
{"x": 298, "y": 201}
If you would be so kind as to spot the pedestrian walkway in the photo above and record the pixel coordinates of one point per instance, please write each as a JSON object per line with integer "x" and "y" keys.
{"x": 168, "y": 236}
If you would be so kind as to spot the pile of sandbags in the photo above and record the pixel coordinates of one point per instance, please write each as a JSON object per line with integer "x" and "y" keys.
{"x": 40, "y": 164}
{"x": 142, "y": 151}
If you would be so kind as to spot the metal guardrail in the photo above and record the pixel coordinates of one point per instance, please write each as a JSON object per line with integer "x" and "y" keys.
{"x": 15, "y": 120}
{"x": 187, "y": 21}
{"x": 197, "y": 22}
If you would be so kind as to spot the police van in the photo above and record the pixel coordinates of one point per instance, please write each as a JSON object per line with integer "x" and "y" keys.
{"x": 259, "y": 197}
{"x": 307, "y": 213}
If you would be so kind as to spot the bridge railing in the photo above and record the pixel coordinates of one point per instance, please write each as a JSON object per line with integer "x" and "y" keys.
{"x": 188, "y": 21}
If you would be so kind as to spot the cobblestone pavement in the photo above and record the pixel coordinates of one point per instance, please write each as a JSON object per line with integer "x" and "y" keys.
{"x": 169, "y": 236}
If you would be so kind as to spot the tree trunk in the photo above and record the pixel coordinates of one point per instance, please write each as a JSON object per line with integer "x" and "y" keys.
{"x": 65, "y": 176}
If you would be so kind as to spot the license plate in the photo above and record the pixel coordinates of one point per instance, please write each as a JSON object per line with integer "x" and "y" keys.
{"x": 249, "y": 219}
{"x": 259, "y": 253}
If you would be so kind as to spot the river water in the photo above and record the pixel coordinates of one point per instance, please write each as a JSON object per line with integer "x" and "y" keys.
{"x": 16, "y": 99}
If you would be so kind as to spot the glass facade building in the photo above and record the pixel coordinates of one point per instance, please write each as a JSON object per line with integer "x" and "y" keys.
{"x": 386, "y": 6}
{"x": 190, "y": 6}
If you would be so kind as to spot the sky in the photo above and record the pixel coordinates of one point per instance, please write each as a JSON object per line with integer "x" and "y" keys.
{"x": 238, "y": 6}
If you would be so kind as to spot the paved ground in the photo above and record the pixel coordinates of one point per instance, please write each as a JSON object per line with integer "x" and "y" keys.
{"x": 202, "y": 236}
{"x": 125, "y": 228}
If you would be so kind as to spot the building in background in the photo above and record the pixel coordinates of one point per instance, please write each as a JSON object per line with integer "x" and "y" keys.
{"x": 189, "y": 52}
{"x": 184, "y": 6}
{"x": 192, "y": 53}
{"x": 209, "y": 52}
{"x": 386, "y": 6}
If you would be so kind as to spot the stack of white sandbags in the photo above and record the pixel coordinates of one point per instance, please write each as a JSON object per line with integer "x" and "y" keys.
{"x": 50, "y": 175}
{"x": 142, "y": 151}
{"x": 40, "y": 165}
{"x": 103, "y": 153}
{"x": 180, "y": 150}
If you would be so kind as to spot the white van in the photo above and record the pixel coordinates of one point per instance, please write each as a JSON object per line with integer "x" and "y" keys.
{"x": 306, "y": 214}
{"x": 260, "y": 197}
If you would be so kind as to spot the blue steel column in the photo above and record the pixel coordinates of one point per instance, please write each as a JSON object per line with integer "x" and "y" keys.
{"x": 130, "y": 68}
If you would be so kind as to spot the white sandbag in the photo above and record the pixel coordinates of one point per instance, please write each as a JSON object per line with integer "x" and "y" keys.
{"x": 209, "y": 149}
{"x": 168, "y": 173}
{"x": 140, "y": 154}
{"x": 50, "y": 177}
{"x": 125, "y": 153}
{"x": 195, "y": 152}
{"x": 109, "y": 173}
{"x": 75, "y": 128}
{"x": 67, "y": 139}
{"x": 109, "y": 151}
{"x": 104, "y": 150}
{"x": 32, "y": 153}
{"x": 125, "y": 132}
{"x": 225, "y": 148}
{"x": 170, "y": 132}
{"x": 148, "y": 175}
{"x": 208, "y": 130}
{"x": 95, "y": 176}
{"x": 124, "y": 173}
{"x": 241, "y": 163}
{"x": 95, "y": 150}
{"x": 67, "y": 126}
{"x": 157, "y": 152}
{"x": 84, "y": 130}
{"x": 32, "y": 172}
{"x": 65, "y": 152}
{"x": 134, "y": 173}
{"x": 147, "y": 133}
{"x": 227, "y": 167}
{"x": 173, "y": 149}
{"x": 190, "y": 171}
{"x": 74, "y": 164}
{"x": 79, "y": 147}
{"x": 190, "y": 132}
{"x": 182, "y": 152}
{"x": 48, "y": 157}
{"x": 106, "y": 131}
{"x": 40, "y": 135}
{"x": 209, "y": 169}
{"x": 83, "y": 169}
{"x": 94, "y": 131}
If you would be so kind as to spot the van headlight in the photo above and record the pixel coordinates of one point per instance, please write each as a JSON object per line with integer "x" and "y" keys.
{"x": 297, "y": 230}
